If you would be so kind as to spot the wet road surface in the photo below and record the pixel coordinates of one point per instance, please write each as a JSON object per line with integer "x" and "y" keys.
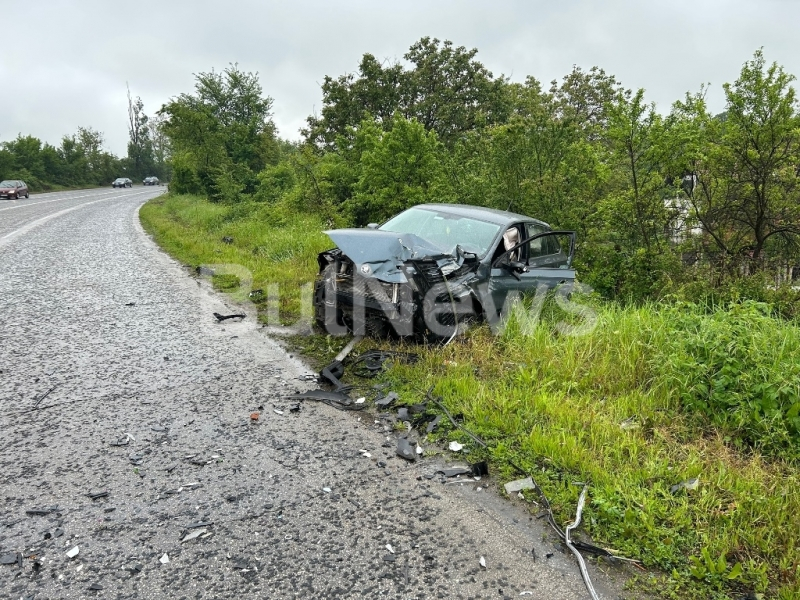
{"x": 115, "y": 379}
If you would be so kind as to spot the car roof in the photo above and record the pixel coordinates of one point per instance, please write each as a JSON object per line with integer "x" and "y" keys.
{"x": 490, "y": 215}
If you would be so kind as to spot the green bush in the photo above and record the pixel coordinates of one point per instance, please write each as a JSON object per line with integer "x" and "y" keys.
{"x": 738, "y": 366}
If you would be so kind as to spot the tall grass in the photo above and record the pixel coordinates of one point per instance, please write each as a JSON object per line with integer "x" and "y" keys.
{"x": 653, "y": 396}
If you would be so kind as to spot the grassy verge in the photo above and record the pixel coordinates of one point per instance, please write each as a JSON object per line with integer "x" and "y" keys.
{"x": 626, "y": 408}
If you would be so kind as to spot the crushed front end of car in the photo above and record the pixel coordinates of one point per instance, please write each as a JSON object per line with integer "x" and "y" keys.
{"x": 382, "y": 283}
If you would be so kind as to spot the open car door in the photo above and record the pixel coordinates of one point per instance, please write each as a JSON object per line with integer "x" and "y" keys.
{"x": 543, "y": 258}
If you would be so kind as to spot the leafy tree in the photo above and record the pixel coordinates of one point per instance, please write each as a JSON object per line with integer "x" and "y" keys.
{"x": 398, "y": 168}
{"x": 746, "y": 166}
{"x": 223, "y": 131}
{"x": 140, "y": 146}
{"x": 445, "y": 89}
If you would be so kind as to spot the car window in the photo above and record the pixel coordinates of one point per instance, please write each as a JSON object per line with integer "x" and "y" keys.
{"x": 445, "y": 230}
{"x": 543, "y": 246}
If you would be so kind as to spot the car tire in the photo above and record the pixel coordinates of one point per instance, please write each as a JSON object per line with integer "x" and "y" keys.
{"x": 324, "y": 285}
{"x": 27, "y": 195}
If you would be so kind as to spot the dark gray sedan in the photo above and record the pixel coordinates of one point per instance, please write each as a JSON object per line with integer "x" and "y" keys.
{"x": 434, "y": 266}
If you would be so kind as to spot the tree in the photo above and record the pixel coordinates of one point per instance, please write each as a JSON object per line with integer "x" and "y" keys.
{"x": 746, "y": 166}
{"x": 445, "y": 89}
{"x": 221, "y": 136}
{"x": 140, "y": 147}
{"x": 398, "y": 168}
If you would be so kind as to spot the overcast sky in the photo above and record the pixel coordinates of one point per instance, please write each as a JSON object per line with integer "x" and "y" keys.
{"x": 65, "y": 64}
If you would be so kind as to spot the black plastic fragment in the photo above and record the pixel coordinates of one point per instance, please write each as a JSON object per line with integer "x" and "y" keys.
{"x": 337, "y": 399}
{"x": 433, "y": 424}
{"x": 9, "y": 559}
{"x": 95, "y": 587}
{"x": 372, "y": 362}
{"x": 41, "y": 511}
{"x": 386, "y": 400}
{"x": 333, "y": 373}
{"x": 406, "y": 450}
{"x": 480, "y": 469}
{"x": 389, "y": 558}
{"x": 418, "y": 409}
{"x": 221, "y": 318}
{"x": 97, "y": 495}
{"x": 58, "y": 533}
{"x": 295, "y": 408}
{"x": 454, "y": 471}
{"x": 402, "y": 413}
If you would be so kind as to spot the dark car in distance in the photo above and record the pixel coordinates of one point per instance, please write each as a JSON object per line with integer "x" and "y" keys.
{"x": 13, "y": 189}
{"x": 122, "y": 182}
{"x": 150, "y": 181}
{"x": 434, "y": 266}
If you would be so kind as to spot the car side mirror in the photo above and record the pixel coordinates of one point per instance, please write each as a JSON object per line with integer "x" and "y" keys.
{"x": 518, "y": 266}
{"x": 373, "y": 226}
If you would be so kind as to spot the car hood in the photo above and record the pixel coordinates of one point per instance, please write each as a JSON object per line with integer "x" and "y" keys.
{"x": 380, "y": 254}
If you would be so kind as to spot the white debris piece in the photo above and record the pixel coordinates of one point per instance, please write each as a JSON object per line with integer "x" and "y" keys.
{"x": 164, "y": 559}
{"x": 327, "y": 490}
{"x": 519, "y": 485}
{"x": 73, "y": 552}
{"x": 277, "y": 412}
{"x": 455, "y": 446}
{"x": 194, "y": 534}
{"x": 419, "y": 449}
{"x": 361, "y": 401}
{"x": 389, "y": 548}
{"x": 483, "y": 562}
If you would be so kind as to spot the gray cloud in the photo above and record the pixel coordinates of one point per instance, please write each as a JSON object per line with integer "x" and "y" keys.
{"x": 71, "y": 66}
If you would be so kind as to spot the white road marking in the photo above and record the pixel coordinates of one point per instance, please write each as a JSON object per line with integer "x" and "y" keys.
{"x": 33, "y": 224}
{"x": 27, "y": 204}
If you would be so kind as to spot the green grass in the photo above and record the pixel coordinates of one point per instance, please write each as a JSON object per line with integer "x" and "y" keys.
{"x": 625, "y": 408}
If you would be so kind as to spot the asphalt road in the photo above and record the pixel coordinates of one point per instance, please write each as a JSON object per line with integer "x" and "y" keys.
{"x": 104, "y": 340}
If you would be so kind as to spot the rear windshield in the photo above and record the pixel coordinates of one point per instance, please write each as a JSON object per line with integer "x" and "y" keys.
{"x": 445, "y": 230}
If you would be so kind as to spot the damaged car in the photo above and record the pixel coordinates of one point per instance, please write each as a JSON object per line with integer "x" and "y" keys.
{"x": 433, "y": 267}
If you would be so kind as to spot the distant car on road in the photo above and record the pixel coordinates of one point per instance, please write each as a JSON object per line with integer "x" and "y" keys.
{"x": 150, "y": 181}
{"x": 122, "y": 182}
{"x": 13, "y": 189}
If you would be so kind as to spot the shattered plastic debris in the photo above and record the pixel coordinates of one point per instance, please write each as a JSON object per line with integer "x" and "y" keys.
{"x": 689, "y": 484}
{"x": 277, "y": 411}
{"x": 482, "y": 561}
{"x": 9, "y": 559}
{"x": 72, "y": 553}
{"x": 95, "y": 587}
{"x": 221, "y": 318}
{"x": 389, "y": 548}
{"x": 164, "y": 559}
{"x": 419, "y": 449}
{"x": 336, "y": 399}
{"x": 456, "y": 447}
{"x": 519, "y": 485}
{"x": 387, "y": 400}
{"x": 194, "y": 534}
{"x": 402, "y": 413}
{"x": 526, "y": 593}
{"x": 361, "y": 401}
{"x": 433, "y": 424}
{"x": 97, "y": 495}
{"x": 480, "y": 469}
{"x": 41, "y": 511}
{"x": 254, "y": 416}
{"x": 405, "y": 450}
{"x": 455, "y": 471}
{"x": 629, "y": 423}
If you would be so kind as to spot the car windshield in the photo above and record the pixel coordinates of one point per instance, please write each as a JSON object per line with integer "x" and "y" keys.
{"x": 7, "y": 183}
{"x": 444, "y": 229}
